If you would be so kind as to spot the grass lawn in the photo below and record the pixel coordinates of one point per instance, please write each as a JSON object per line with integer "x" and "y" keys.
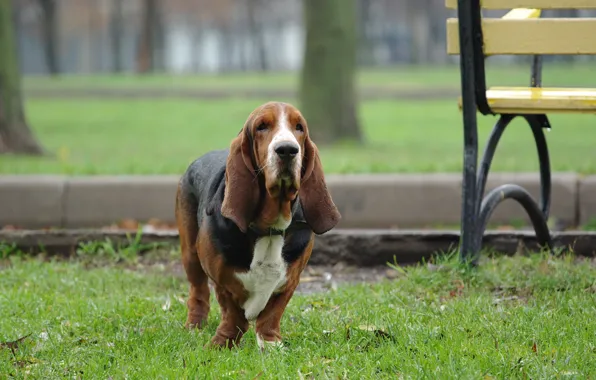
{"x": 516, "y": 317}
{"x": 163, "y": 136}
{"x": 400, "y": 77}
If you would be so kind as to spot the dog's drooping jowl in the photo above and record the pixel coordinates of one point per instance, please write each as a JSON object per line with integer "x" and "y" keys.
{"x": 247, "y": 217}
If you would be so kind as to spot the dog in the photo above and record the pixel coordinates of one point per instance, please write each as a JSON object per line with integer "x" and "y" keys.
{"x": 247, "y": 217}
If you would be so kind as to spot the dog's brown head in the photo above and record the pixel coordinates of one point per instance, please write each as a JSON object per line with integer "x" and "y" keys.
{"x": 272, "y": 161}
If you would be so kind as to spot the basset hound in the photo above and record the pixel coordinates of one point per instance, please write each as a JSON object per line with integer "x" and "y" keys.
{"x": 247, "y": 217}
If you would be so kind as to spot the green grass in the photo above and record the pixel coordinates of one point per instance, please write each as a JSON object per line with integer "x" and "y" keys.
{"x": 516, "y": 317}
{"x": 400, "y": 77}
{"x": 163, "y": 136}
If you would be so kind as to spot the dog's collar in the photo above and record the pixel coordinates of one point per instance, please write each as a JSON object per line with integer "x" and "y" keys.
{"x": 296, "y": 224}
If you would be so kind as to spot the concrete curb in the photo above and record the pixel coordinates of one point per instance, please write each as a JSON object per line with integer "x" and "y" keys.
{"x": 351, "y": 246}
{"x": 365, "y": 201}
{"x": 364, "y": 93}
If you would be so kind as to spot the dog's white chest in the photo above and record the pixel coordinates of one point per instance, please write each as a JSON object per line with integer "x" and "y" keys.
{"x": 267, "y": 273}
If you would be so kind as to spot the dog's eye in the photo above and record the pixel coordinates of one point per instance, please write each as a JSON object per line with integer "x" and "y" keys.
{"x": 299, "y": 127}
{"x": 261, "y": 127}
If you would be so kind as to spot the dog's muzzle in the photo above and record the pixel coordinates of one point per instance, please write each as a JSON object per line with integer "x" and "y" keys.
{"x": 287, "y": 153}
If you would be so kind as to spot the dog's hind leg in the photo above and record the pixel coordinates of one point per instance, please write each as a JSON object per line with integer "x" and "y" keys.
{"x": 186, "y": 219}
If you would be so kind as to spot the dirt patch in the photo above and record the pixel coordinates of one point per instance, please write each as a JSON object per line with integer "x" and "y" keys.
{"x": 314, "y": 279}
{"x": 318, "y": 279}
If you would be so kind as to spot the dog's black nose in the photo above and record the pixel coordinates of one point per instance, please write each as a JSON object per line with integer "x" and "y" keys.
{"x": 286, "y": 151}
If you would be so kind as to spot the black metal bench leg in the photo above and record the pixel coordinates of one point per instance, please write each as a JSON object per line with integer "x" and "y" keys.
{"x": 537, "y": 215}
{"x": 470, "y": 201}
{"x": 468, "y": 246}
{"x": 472, "y": 85}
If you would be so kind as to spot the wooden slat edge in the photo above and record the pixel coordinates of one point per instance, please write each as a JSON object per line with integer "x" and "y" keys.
{"x": 522, "y": 14}
{"x": 540, "y": 4}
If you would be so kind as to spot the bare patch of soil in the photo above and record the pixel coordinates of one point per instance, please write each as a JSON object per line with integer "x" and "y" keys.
{"x": 314, "y": 279}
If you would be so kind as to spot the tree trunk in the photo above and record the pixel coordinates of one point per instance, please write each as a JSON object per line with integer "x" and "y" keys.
{"x": 327, "y": 91}
{"x": 256, "y": 34}
{"x": 365, "y": 45}
{"x": 116, "y": 26}
{"x": 15, "y": 135}
{"x": 420, "y": 31}
{"x": 159, "y": 44}
{"x": 196, "y": 47}
{"x": 225, "y": 50}
{"x": 50, "y": 34}
{"x": 148, "y": 40}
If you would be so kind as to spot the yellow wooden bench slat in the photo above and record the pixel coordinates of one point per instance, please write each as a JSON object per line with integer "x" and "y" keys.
{"x": 529, "y": 100}
{"x": 540, "y": 4}
{"x": 565, "y": 36}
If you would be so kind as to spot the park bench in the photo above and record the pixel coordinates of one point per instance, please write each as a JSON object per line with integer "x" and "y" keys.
{"x": 520, "y": 32}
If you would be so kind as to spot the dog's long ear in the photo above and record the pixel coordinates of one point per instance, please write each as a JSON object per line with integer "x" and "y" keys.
{"x": 319, "y": 210}
{"x": 241, "y": 195}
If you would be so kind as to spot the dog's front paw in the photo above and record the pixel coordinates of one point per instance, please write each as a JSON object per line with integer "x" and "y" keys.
{"x": 194, "y": 321}
{"x": 273, "y": 342}
{"x": 221, "y": 342}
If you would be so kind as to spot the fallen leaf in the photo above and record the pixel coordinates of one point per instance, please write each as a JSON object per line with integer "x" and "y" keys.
{"x": 258, "y": 375}
{"x": 534, "y": 348}
{"x": 154, "y": 222}
{"x": 14, "y": 345}
{"x": 26, "y": 362}
{"x": 128, "y": 224}
{"x": 458, "y": 291}
{"x": 391, "y": 273}
{"x": 81, "y": 341}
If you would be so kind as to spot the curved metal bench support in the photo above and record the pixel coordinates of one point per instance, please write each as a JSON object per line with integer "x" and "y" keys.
{"x": 521, "y": 195}
{"x": 484, "y": 207}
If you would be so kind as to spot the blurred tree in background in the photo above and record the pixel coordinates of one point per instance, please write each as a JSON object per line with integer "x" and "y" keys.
{"x": 328, "y": 89}
{"x": 50, "y": 34}
{"x": 151, "y": 45}
{"x": 116, "y": 31}
{"x": 15, "y": 134}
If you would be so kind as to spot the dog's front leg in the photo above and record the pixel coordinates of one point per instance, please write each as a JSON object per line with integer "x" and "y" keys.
{"x": 233, "y": 323}
{"x": 268, "y": 322}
